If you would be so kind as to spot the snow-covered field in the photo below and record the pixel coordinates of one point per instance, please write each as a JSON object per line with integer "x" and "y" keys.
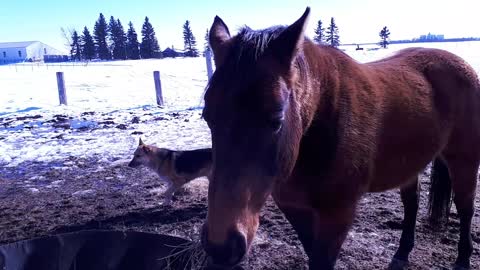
{"x": 107, "y": 102}
{"x": 469, "y": 50}
{"x": 111, "y": 104}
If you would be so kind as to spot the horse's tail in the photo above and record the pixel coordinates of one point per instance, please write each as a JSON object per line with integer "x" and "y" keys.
{"x": 440, "y": 197}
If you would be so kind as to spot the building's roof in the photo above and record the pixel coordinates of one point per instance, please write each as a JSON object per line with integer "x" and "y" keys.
{"x": 23, "y": 44}
{"x": 170, "y": 50}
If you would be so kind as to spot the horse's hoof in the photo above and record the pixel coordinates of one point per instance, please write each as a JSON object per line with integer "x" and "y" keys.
{"x": 458, "y": 267}
{"x": 397, "y": 264}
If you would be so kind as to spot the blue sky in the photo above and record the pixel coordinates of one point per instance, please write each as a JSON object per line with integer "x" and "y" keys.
{"x": 358, "y": 21}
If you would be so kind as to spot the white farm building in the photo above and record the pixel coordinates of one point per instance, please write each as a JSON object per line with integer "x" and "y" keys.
{"x": 27, "y": 51}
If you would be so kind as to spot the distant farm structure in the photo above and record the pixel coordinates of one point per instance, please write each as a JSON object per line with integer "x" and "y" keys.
{"x": 170, "y": 52}
{"x": 29, "y": 51}
{"x": 429, "y": 38}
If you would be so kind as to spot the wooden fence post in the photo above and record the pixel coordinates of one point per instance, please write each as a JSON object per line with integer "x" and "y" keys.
{"x": 158, "y": 87}
{"x": 208, "y": 57}
{"x": 62, "y": 93}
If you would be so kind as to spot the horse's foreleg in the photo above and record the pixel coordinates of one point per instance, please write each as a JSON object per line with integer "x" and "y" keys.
{"x": 321, "y": 234}
{"x": 410, "y": 196}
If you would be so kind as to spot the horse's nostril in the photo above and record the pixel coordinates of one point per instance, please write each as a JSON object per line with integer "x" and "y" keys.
{"x": 238, "y": 245}
{"x": 229, "y": 253}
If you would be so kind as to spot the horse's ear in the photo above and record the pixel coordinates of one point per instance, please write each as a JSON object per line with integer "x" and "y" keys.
{"x": 218, "y": 37}
{"x": 140, "y": 142}
{"x": 286, "y": 46}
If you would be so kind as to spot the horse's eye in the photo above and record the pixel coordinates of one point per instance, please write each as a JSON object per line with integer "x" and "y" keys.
{"x": 276, "y": 124}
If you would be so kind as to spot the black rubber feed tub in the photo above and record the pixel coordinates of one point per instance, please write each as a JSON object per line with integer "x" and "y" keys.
{"x": 101, "y": 250}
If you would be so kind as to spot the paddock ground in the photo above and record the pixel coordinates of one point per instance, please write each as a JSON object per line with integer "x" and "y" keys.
{"x": 78, "y": 193}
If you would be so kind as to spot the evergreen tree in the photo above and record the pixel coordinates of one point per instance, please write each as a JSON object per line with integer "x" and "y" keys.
{"x": 133, "y": 51}
{"x": 149, "y": 47}
{"x": 112, "y": 35}
{"x": 319, "y": 33}
{"x": 117, "y": 38}
{"x": 206, "y": 45}
{"x": 121, "y": 41}
{"x": 332, "y": 36}
{"x": 384, "y": 37}
{"x": 100, "y": 34}
{"x": 88, "y": 45}
{"x": 76, "y": 51}
{"x": 189, "y": 41}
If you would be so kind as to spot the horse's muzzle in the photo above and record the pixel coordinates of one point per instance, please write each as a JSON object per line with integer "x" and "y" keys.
{"x": 226, "y": 255}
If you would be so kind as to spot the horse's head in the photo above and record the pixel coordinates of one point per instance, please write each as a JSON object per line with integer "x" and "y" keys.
{"x": 255, "y": 125}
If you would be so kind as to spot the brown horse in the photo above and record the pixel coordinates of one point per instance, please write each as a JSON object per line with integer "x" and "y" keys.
{"x": 317, "y": 130}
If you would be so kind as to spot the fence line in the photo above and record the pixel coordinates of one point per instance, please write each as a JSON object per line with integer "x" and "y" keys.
{"x": 208, "y": 58}
{"x": 158, "y": 88}
{"x": 62, "y": 92}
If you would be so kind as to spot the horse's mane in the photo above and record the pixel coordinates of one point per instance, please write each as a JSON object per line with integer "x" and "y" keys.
{"x": 246, "y": 48}
{"x": 252, "y": 43}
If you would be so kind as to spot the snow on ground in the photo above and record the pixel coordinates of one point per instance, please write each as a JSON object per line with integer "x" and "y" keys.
{"x": 102, "y": 97}
{"x": 102, "y": 86}
{"x": 469, "y": 50}
{"x": 111, "y": 104}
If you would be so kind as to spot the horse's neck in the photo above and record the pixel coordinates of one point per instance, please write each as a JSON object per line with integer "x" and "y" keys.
{"x": 319, "y": 79}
